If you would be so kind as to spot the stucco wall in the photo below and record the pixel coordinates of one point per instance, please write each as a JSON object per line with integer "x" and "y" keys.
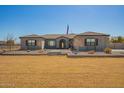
{"x": 38, "y": 44}
{"x": 79, "y": 43}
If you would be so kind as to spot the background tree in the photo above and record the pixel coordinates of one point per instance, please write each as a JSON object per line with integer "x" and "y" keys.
{"x": 118, "y": 39}
{"x": 10, "y": 41}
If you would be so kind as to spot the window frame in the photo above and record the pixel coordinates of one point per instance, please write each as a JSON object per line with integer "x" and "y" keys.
{"x": 91, "y": 42}
{"x": 51, "y": 44}
{"x": 31, "y": 42}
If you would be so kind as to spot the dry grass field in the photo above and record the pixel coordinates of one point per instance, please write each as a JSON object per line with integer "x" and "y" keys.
{"x": 60, "y": 71}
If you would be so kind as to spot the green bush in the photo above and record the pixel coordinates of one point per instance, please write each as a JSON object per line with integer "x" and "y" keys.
{"x": 108, "y": 50}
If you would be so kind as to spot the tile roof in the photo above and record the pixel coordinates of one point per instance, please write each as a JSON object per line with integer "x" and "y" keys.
{"x": 33, "y": 35}
{"x": 50, "y": 36}
{"x": 54, "y": 36}
{"x": 70, "y": 36}
{"x": 93, "y": 33}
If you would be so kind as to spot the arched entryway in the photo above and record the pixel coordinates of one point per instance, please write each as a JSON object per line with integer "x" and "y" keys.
{"x": 62, "y": 44}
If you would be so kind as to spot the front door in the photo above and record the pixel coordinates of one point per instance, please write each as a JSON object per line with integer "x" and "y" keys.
{"x": 62, "y": 44}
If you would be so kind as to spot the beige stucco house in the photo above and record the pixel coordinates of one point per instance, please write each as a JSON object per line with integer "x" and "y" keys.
{"x": 84, "y": 41}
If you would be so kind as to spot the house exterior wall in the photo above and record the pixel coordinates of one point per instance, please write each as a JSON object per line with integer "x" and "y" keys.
{"x": 57, "y": 42}
{"x": 79, "y": 43}
{"x": 38, "y": 43}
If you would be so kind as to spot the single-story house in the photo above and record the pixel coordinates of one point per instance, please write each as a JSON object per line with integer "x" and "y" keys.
{"x": 2, "y": 43}
{"x": 83, "y": 41}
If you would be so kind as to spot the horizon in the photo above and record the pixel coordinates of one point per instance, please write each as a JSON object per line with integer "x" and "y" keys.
{"x": 52, "y": 19}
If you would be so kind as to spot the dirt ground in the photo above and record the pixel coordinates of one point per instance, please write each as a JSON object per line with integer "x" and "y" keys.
{"x": 60, "y": 71}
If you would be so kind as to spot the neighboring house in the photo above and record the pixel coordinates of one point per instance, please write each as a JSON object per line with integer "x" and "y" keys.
{"x": 2, "y": 43}
{"x": 84, "y": 41}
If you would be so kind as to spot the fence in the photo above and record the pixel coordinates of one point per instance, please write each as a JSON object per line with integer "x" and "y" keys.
{"x": 116, "y": 45}
{"x": 7, "y": 48}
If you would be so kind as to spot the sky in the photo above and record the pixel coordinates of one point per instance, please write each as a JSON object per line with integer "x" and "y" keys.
{"x": 25, "y": 20}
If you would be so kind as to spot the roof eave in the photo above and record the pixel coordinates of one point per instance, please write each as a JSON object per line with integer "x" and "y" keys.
{"x": 93, "y": 35}
{"x": 31, "y": 37}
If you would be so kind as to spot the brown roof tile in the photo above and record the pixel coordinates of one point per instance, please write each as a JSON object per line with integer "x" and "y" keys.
{"x": 50, "y": 36}
{"x": 93, "y": 33}
{"x": 54, "y": 36}
{"x": 70, "y": 36}
{"x": 33, "y": 35}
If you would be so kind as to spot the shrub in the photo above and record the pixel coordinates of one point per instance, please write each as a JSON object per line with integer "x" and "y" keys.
{"x": 91, "y": 52}
{"x": 108, "y": 50}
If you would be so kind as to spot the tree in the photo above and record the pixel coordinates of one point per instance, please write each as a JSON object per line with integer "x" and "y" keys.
{"x": 10, "y": 41}
{"x": 120, "y": 39}
{"x": 114, "y": 40}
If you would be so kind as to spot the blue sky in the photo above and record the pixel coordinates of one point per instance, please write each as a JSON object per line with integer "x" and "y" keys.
{"x": 24, "y": 20}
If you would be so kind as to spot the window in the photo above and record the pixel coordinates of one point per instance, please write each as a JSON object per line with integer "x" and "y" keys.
{"x": 91, "y": 42}
{"x": 31, "y": 42}
{"x": 51, "y": 43}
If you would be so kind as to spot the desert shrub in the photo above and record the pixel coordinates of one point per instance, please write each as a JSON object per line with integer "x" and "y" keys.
{"x": 91, "y": 52}
{"x": 108, "y": 50}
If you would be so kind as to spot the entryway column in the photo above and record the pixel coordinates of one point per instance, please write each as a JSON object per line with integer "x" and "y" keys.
{"x": 42, "y": 44}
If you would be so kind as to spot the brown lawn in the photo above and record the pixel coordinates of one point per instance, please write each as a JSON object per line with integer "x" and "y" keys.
{"x": 60, "y": 71}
